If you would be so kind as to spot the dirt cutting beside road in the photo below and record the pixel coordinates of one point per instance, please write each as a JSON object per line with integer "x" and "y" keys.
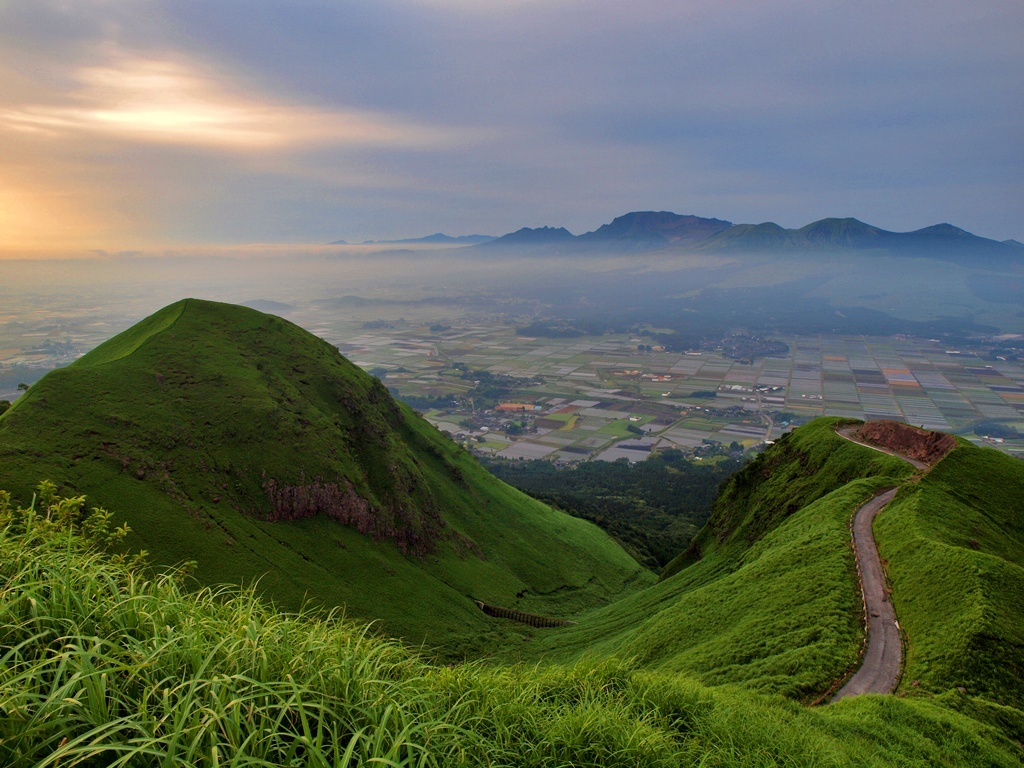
{"x": 921, "y": 447}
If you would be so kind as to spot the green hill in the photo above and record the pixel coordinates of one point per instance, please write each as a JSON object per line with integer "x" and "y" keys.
{"x": 237, "y": 440}
{"x": 766, "y": 595}
{"x": 954, "y": 544}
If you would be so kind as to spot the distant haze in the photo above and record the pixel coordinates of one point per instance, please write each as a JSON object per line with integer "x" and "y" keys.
{"x": 148, "y": 126}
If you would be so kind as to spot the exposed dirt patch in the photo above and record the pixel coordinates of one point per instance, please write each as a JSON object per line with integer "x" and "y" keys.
{"x": 920, "y": 444}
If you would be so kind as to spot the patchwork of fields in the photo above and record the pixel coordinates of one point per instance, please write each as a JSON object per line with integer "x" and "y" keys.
{"x": 594, "y": 397}
{"x": 590, "y": 390}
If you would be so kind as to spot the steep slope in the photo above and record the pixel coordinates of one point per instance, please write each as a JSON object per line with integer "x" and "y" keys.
{"x": 954, "y": 543}
{"x": 235, "y": 439}
{"x": 767, "y": 595}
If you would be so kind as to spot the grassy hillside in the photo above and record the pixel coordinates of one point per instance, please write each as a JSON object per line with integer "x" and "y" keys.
{"x": 955, "y": 549}
{"x": 767, "y": 595}
{"x": 803, "y": 467}
{"x": 237, "y": 440}
{"x": 103, "y": 666}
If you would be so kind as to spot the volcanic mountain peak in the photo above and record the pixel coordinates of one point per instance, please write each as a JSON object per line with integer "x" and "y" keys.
{"x": 848, "y": 233}
{"x": 657, "y": 228}
{"x": 532, "y": 236}
{"x": 943, "y": 230}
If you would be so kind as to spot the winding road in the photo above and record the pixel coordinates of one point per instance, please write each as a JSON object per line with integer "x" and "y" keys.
{"x": 879, "y": 671}
{"x": 847, "y": 433}
{"x": 882, "y": 664}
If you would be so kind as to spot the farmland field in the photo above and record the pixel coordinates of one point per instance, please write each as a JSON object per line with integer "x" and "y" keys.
{"x": 607, "y": 397}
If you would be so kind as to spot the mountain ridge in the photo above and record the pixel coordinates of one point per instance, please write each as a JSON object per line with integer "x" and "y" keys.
{"x": 668, "y": 231}
{"x": 767, "y": 595}
{"x": 437, "y": 237}
{"x": 655, "y": 229}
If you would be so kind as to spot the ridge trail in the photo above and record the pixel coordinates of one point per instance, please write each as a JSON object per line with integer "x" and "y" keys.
{"x": 881, "y": 666}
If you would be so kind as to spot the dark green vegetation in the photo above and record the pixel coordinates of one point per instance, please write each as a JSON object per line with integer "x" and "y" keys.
{"x": 652, "y": 508}
{"x": 103, "y": 666}
{"x": 991, "y": 428}
{"x": 236, "y": 440}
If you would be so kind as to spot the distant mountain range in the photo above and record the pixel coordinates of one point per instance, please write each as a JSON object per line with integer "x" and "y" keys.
{"x": 656, "y": 230}
{"x": 660, "y": 230}
{"x": 538, "y": 236}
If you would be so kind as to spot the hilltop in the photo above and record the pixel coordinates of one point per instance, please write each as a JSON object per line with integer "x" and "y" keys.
{"x": 239, "y": 441}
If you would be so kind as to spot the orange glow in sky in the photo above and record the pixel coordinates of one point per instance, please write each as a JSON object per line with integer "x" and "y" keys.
{"x": 129, "y": 103}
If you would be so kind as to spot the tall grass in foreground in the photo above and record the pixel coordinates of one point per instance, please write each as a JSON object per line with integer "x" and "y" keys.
{"x": 102, "y": 664}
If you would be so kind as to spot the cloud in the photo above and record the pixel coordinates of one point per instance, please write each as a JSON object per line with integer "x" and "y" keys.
{"x": 115, "y": 149}
{"x": 162, "y": 100}
{"x": 223, "y": 121}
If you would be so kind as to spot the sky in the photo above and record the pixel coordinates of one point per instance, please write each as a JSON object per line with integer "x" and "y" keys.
{"x": 139, "y": 124}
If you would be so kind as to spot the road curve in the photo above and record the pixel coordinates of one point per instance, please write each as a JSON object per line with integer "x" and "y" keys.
{"x": 847, "y": 433}
{"x": 880, "y": 668}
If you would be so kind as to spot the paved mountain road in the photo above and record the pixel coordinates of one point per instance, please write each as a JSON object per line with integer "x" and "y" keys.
{"x": 880, "y": 668}
{"x": 882, "y": 664}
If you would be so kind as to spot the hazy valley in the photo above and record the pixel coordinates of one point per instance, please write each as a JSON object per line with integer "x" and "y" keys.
{"x": 241, "y": 442}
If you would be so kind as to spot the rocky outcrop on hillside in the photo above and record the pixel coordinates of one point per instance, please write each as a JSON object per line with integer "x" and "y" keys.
{"x": 921, "y": 444}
